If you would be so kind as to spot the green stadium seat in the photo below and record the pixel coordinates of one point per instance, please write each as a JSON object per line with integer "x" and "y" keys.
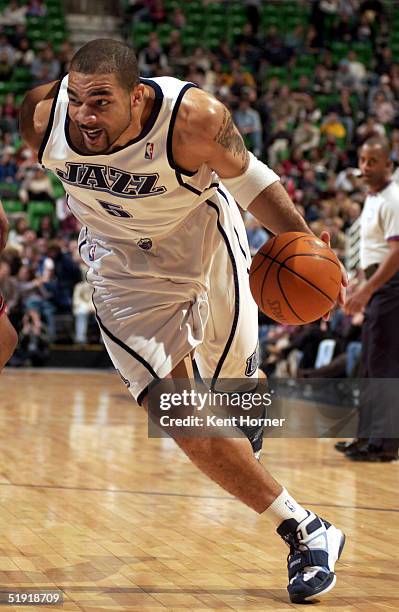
{"x": 22, "y": 73}
{"x": 276, "y": 71}
{"x": 214, "y": 8}
{"x": 299, "y": 71}
{"x": 142, "y": 27}
{"x": 58, "y": 189}
{"x": 13, "y": 207}
{"x": 37, "y": 210}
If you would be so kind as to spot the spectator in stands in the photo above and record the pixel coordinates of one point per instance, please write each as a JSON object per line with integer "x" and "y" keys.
{"x": 345, "y": 109}
{"x": 295, "y": 39}
{"x": 45, "y": 67}
{"x": 25, "y": 54}
{"x": 333, "y": 126}
{"x": 36, "y": 186}
{"x": 8, "y": 168}
{"x": 46, "y": 228}
{"x": 247, "y": 119}
{"x": 63, "y": 274}
{"x": 35, "y": 8}
{"x": 253, "y": 13}
{"x": 17, "y": 34}
{"x": 384, "y": 60}
{"x": 36, "y": 298}
{"x": 276, "y": 52}
{"x": 152, "y": 60}
{"x": 83, "y": 309}
{"x": 306, "y": 136}
{"x": 13, "y": 14}
{"x": 65, "y": 56}
{"x": 10, "y": 112}
{"x": 371, "y": 127}
{"x": 5, "y": 67}
{"x": 357, "y": 71}
{"x": 312, "y": 41}
{"x": 383, "y": 109}
{"x": 284, "y": 106}
{"x": 279, "y": 142}
{"x": 323, "y": 79}
{"x": 16, "y": 234}
{"x": 178, "y": 18}
{"x": 257, "y": 235}
{"x": 33, "y": 349}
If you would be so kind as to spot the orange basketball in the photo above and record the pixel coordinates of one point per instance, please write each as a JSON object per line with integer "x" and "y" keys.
{"x": 295, "y": 278}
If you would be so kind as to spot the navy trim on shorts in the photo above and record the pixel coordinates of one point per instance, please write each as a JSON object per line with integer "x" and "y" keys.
{"x": 169, "y": 151}
{"x": 123, "y": 345}
{"x": 49, "y": 125}
{"x": 146, "y": 390}
{"x": 220, "y": 190}
{"x": 239, "y": 244}
{"x": 237, "y": 297}
{"x": 222, "y": 193}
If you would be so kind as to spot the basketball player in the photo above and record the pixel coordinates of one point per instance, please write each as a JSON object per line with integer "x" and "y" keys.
{"x": 379, "y": 298}
{"x": 8, "y": 335}
{"x": 152, "y": 168}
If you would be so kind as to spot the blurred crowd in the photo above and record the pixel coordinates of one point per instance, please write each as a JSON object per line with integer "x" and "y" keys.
{"x": 304, "y": 99}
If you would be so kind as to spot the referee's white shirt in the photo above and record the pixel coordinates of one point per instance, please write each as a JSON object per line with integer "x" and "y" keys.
{"x": 379, "y": 224}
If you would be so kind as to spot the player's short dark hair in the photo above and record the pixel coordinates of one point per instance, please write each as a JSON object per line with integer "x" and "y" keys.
{"x": 379, "y": 141}
{"x": 108, "y": 56}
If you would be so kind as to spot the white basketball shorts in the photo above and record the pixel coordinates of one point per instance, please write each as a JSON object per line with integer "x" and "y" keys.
{"x": 158, "y": 300}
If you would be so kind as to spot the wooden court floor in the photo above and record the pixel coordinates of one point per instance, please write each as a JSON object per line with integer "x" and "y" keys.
{"x": 90, "y": 505}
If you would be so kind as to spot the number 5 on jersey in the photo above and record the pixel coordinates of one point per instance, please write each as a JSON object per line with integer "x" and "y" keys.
{"x": 114, "y": 209}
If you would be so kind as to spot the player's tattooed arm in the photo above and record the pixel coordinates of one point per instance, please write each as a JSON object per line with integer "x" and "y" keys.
{"x": 229, "y": 138}
{"x": 205, "y": 134}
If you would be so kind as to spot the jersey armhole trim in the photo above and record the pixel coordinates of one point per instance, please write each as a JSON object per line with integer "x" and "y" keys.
{"x": 169, "y": 151}
{"x": 49, "y": 125}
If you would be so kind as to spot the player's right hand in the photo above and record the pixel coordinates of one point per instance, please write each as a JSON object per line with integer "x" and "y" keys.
{"x": 4, "y": 227}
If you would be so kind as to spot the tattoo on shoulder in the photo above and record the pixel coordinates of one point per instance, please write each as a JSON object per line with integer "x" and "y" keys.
{"x": 229, "y": 138}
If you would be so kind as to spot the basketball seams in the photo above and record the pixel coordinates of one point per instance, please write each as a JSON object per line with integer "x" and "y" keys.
{"x": 283, "y": 263}
{"x": 284, "y": 266}
{"x": 285, "y": 297}
{"x": 260, "y": 252}
{"x": 316, "y": 255}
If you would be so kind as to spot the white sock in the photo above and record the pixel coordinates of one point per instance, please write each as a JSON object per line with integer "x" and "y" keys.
{"x": 285, "y": 507}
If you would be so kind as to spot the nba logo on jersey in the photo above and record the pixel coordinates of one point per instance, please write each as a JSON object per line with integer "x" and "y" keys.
{"x": 92, "y": 252}
{"x": 149, "y": 150}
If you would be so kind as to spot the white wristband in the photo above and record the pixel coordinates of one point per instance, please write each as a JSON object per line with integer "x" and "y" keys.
{"x": 247, "y": 186}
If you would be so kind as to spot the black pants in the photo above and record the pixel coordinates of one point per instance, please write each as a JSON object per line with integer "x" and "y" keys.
{"x": 379, "y": 412}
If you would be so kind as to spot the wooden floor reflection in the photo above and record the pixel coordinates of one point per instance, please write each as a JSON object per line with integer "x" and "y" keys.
{"x": 90, "y": 505}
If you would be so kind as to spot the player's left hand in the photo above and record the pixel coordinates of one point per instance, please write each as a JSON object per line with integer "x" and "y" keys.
{"x": 358, "y": 300}
{"x": 325, "y": 237}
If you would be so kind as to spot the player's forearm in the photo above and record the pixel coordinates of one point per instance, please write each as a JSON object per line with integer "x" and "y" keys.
{"x": 274, "y": 209}
{"x": 388, "y": 267}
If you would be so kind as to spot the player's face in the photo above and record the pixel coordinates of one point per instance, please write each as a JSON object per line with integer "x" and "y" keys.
{"x": 374, "y": 165}
{"x": 100, "y": 109}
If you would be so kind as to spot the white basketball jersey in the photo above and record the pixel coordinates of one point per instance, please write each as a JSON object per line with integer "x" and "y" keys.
{"x": 137, "y": 191}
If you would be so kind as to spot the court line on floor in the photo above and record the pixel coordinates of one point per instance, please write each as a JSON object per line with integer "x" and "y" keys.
{"x": 183, "y": 495}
